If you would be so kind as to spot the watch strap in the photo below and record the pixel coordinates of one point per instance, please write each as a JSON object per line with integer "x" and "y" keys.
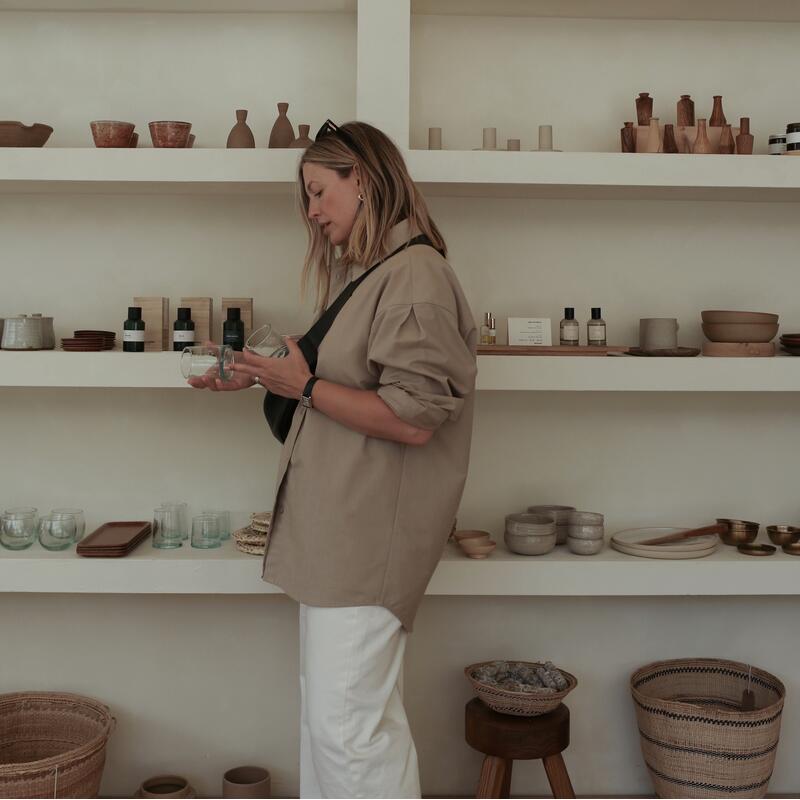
{"x": 309, "y": 387}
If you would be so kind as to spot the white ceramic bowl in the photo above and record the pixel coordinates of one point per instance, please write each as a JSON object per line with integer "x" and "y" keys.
{"x": 558, "y": 513}
{"x": 585, "y": 518}
{"x": 585, "y": 547}
{"x": 530, "y": 545}
{"x": 530, "y": 524}
{"x": 587, "y": 532}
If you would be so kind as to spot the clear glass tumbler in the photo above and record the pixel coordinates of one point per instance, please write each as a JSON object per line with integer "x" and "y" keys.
{"x": 224, "y": 518}
{"x": 77, "y": 515}
{"x": 182, "y": 510}
{"x": 267, "y": 342}
{"x": 167, "y": 534}
{"x": 212, "y": 359}
{"x": 56, "y": 532}
{"x": 205, "y": 532}
{"x": 18, "y": 528}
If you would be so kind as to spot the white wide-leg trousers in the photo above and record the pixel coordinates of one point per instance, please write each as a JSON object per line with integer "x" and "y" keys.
{"x": 354, "y": 735}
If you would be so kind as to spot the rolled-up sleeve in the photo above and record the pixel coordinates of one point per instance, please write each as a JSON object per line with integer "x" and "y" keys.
{"x": 424, "y": 365}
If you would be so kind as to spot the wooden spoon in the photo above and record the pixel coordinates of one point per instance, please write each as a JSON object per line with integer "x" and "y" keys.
{"x": 690, "y": 534}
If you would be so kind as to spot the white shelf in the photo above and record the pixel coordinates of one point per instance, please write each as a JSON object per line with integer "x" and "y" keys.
{"x": 459, "y": 173}
{"x": 723, "y": 10}
{"x": 184, "y": 6}
{"x": 57, "y": 369}
{"x": 147, "y": 169}
{"x": 627, "y": 176}
{"x": 558, "y": 574}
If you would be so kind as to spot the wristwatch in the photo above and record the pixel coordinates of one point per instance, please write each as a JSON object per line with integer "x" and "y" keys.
{"x": 305, "y": 398}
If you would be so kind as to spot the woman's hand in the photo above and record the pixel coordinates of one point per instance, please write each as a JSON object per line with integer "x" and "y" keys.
{"x": 212, "y": 381}
{"x": 286, "y": 377}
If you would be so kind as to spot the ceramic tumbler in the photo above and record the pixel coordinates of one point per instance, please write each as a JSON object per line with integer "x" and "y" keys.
{"x": 658, "y": 333}
{"x": 434, "y": 138}
{"x": 167, "y": 534}
{"x": 246, "y": 782}
{"x": 490, "y": 138}
{"x": 545, "y": 137}
{"x": 205, "y": 532}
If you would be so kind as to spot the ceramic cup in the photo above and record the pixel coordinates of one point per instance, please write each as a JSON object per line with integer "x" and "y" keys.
{"x": 22, "y": 333}
{"x": 246, "y": 782}
{"x": 658, "y": 333}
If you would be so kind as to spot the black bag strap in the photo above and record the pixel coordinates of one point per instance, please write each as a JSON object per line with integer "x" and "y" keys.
{"x": 310, "y": 342}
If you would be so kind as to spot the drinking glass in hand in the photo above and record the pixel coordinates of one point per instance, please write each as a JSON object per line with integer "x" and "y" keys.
{"x": 266, "y": 342}
{"x": 56, "y": 532}
{"x": 202, "y": 360}
{"x": 18, "y": 528}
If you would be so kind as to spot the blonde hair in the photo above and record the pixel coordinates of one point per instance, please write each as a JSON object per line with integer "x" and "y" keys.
{"x": 390, "y": 196}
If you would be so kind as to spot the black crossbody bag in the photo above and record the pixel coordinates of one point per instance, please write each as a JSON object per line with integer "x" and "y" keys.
{"x": 280, "y": 410}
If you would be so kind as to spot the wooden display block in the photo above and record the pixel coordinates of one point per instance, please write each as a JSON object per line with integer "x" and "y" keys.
{"x": 245, "y": 305}
{"x": 155, "y": 313}
{"x": 202, "y": 316}
{"x": 553, "y": 350}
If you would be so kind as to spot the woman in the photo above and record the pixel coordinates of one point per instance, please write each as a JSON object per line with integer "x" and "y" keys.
{"x": 371, "y": 474}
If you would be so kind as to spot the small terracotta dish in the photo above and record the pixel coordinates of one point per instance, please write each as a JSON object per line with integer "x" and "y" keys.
{"x": 15, "y": 134}
{"x": 740, "y": 331}
{"x": 757, "y": 549}
{"x": 783, "y": 534}
{"x": 472, "y": 544}
{"x": 735, "y": 317}
{"x": 166, "y": 133}
{"x": 461, "y": 535}
{"x": 111, "y": 133}
{"x": 482, "y": 551}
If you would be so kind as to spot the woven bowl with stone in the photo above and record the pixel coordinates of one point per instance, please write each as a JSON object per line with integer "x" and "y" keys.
{"x": 251, "y": 549}
{"x": 520, "y": 688}
{"x": 249, "y": 536}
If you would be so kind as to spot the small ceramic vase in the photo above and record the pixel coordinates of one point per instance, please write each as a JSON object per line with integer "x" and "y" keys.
{"x": 246, "y": 782}
{"x": 717, "y": 114}
{"x": 744, "y": 141}
{"x": 434, "y": 138}
{"x": 726, "y": 144}
{"x": 490, "y": 138}
{"x": 241, "y": 135}
{"x": 48, "y": 334}
{"x": 512, "y": 144}
{"x": 701, "y": 144}
{"x": 303, "y": 140}
{"x": 644, "y": 108}
{"x": 685, "y": 111}
{"x": 670, "y": 144}
{"x": 545, "y": 138}
{"x": 628, "y": 138}
{"x": 282, "y": 133}
{"x": 653, "y": 137}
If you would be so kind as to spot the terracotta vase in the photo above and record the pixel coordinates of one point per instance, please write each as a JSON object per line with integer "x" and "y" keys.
{"x": 241, "y": 135}
{"x": 303, "y": 140}
{"x": 685, "y": 111}
{"x": 644, "y": 108}
{"x": 744, "y": 141}
{"x": 726, "y": 144}
{"x": 628, "y": 137}
{"x": 653, "y": 137}
{"x": 701, "y": 144}
{"x": 282, "y": 133}
{"x": 670, "y": 144}
{"x": 717, "y": 114}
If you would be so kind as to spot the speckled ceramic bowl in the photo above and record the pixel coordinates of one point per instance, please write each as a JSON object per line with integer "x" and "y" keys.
{"x": 531, "y": 524}
{"x": 586, "y": 532}
{"x": 585, "y": 518}
{"x": 530, "y": 545}
{"x": 559, "y": 513}
{"x": 585, "y": 547}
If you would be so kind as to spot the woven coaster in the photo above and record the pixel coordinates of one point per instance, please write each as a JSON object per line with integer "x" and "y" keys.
{"x": 248, "y": 536}
{"x": 262, "y": 529}
{"x": 261, "y": 517}
{"x": 251, "y": 549}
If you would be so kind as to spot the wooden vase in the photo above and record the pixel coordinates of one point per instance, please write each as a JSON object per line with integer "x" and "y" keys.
{"x": 241, "y": 135}
{"x": 744, "y": 141}
{"x": 303, "y": 140}
{"x": 717, "y": 114}
{"x": 282, "y": 133}
{"x": 701, "y": 143}
{"x": 653, "y": 137}
{"x": 726, "y": 144}
{"x": 685, "y": 111}
{"x": 670, "y": 144}
{"x": 628, "y": 138}
{"x": 644, "y": 108}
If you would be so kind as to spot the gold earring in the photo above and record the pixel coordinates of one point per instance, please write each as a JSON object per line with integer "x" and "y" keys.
{"x": 361, "y": 197}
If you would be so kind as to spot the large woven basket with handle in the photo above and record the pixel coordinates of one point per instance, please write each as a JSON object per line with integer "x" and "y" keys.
{"x": 52, "y": 744}
{"x": 697, "y": 738}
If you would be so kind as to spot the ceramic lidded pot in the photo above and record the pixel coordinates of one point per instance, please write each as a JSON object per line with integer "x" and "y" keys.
{"x": 167, "y": 133}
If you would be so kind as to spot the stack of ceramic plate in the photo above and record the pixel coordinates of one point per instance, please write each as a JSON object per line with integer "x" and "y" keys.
{"x": 89, "y": 341}
{"x": 253, "y": 539}
{"x": 630, "y": 543}
{"x": 790, "y": 342}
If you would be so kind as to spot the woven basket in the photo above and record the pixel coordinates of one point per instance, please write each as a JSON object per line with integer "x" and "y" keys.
{"x": 696, "y": 740}
{"x": 52, "y": 744}
{"x": 520, "y": 704}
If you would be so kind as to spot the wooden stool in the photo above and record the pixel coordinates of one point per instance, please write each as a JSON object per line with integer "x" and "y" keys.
{"x": 504, "y": 738}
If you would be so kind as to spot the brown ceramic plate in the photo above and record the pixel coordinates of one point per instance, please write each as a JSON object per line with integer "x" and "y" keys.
{"x": 122, "y": 536}
{"x": 677, "y": 352}
{"x": 757, "y": 549}
{"x": 110, "y": 334}
{"x": 735, "y": 317}
{"x": 740, "y": 331}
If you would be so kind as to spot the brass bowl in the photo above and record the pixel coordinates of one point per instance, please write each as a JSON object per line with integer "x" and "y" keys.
{"x": 739, "y": 531}
{"x": 783, "y": 534}
{"x": 792, "y": 549}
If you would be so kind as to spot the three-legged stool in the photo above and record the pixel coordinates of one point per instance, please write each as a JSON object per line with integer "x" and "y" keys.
{"x": 503, "y": 738}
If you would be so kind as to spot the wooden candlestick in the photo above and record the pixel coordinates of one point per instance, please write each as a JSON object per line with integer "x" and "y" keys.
{"x": 701, "y": 144}
{"x": 744, "y": 141}
{"x": 717, "y": 114}
{"x": 644, "y": 108}
{"x": 685, "y": 111}
{"x": 670, "y": 144}
{"x": 628, "y": 138}
{"x": 726, "y": 144}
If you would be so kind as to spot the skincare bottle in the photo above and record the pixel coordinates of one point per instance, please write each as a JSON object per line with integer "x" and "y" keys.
{"x": 569, "y": 330}
{"x": 488, "y": 330}
{"x": 183, "y": 330}
{"x": 233, "y": 329}
{"x": 596, "y": 329}
{"x": 133, "y": 331}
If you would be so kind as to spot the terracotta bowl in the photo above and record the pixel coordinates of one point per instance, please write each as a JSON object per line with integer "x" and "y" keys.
{"x": 476, "y": 543}
{"x": 111, "y": 133}
{"x": 482, "y": 551}
{"x": 166, "y": 133}
{"x": 460, "y": 536}
{"x": 735, "y": 317}
{"x": 15, "y": 134}
{"x": 740, "y": 332}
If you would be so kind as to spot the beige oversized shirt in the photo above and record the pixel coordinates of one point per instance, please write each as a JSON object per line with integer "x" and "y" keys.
{"x": 359, "y": 520}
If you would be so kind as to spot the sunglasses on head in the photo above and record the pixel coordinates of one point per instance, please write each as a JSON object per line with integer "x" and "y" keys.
{"x": 330, "y": 128}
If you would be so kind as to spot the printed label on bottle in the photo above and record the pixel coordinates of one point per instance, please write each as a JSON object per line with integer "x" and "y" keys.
{"x": 568, "y": 340}
{"x": 183, "y": 336}
{"x": 597, "y": 333}
{"x": 132, "y": 336}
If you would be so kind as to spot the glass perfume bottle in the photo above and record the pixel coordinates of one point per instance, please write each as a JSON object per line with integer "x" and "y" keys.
{"x": 133, "y": 331}
{"x": 596, "y": 329}
{"x": 183, "y": 330}
{"x": 569, "y": 330}
{"x": 488, "y": 329}
{"x": 233, "y": 329}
